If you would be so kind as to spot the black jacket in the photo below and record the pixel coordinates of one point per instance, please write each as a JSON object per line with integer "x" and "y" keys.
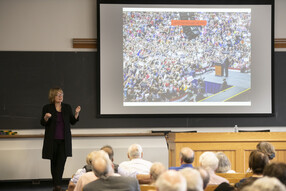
{"x": 50, "y": 127}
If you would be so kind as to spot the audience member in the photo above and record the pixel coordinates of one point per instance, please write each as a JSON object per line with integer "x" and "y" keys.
{"x": 277, "y": 170}
{"x": 257, "y": 162}
{"x": 224, "y": 187}
{"x": 187, "y": 156}
{"x": 193, "y": 178}
{"x": 137, "y": 167}
{"x": 156, "y": 170}
{"x": 209, "y": 161}
{"x": 80, "y": 172}
{"x": 205, "y": 176}
{"x": 224, "y": 165}
{"x": 171, "y": 180}
{"x": 266, "y": 184}
{"x": 109, "y": 150}
{"x": 267, "y": 149}
{"x": 102, "y": 168}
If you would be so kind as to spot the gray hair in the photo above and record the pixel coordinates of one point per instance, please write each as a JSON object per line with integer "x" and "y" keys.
{"x": 209, "y": 161}
{"x": 156, "y": 170}
{"x": 135, "y": 151}
{"x": 193, "y": 178}
{"x": 102, "y": 165}
{"x": 171, "y": 180}
{"x": 223, "y": 164}
{"x": 265, "y": 184}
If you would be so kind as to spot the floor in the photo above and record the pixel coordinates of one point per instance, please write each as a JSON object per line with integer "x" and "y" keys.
{"x": 29, "y": 185}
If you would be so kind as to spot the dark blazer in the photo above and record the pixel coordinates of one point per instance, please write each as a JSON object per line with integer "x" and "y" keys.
{"x": 118, "y": 183}
{"x": 50, "y": 126}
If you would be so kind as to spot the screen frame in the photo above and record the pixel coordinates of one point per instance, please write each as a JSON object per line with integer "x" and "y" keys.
{"x": 182, "y": 2}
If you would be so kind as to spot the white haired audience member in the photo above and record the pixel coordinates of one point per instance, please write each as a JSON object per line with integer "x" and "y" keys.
{"x": 209, "y": 161}
{"x": 224, "y": 165}
{"x": 136, "y": 167}
{"x": 193, "y": 178}
{"x": 171, "y": 180}
{"x": 265, "y": 184}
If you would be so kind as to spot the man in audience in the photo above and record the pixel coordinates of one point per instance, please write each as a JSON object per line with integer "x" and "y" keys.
{"x": 205, "y": 176}
{"x": 136, "y": 167}
{"x": 209, "y": 161}
{"x": 187, "y": 156}
{"x": 193, "y": 178}
{"x": 156, "y": 170}
{"x": 109, "y": 150}
{"x": 265, "y": 184}
{"x": 277, "y": 170}
{"x": 171, "y": 180}
{"x": 102, "y": 168}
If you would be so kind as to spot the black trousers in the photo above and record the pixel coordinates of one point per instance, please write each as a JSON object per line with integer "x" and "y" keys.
{"x": 58, "y": 161}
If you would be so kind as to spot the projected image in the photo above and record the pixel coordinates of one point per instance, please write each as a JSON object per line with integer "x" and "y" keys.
{"x": 186, "y": 56}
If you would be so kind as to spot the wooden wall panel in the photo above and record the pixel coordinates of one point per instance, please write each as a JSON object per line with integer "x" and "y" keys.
{"x": 237, "y": 146}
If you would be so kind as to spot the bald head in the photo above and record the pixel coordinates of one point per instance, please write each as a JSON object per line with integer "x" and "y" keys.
{"x": 102, "y": 165}
{"x": 187, "y": 155}
{"x": 171, "y": 180}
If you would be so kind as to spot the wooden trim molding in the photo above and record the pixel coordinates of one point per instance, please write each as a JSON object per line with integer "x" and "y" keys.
{"x": 280, "y": 43}
{"x": 92, "y": 43}
{"x": 84, "y": 43}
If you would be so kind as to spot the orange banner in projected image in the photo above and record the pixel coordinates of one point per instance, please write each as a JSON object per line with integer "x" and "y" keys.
{"x": 189, "y": 22}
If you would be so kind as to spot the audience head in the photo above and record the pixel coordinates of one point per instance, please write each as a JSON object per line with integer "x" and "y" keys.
{"x": 209, "y": 161}
{"x": 223, "y": 163}
{"x": 171, "y": 180}
{"x": 135, "y": 151}
{"x": 89, "y": 157}
{"x": 108, "y": 149}
{"x": 266, "y": 184}
{"x": 267, "y": 149}
{"x": 156, "y": 170}
{"x": 102, "y": 165}
{"x": 205, "y": 176}
{"x": 187, "y": 155}
{"x": 193, "y": 178}
{"x": 277, "y": 170}
{"x": 257, "y": 161}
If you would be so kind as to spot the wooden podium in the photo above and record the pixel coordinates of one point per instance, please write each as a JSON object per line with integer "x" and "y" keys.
{"x": 218, "y": 70}
{"x": 237, "y": 146}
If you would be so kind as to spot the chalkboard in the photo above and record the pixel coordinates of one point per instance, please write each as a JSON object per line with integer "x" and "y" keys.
{"x": 26, "y": 77}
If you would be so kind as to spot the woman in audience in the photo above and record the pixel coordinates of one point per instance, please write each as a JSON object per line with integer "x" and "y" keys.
{"x": 224, "y": 165}
{"x": 257, "y": 162}
{"x": 267, "y": 149}
{"x": 209, "y": 161}
{"x": 277, "y": 170}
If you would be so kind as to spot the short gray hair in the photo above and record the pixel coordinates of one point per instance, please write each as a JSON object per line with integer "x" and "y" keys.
{"x": 171, "y": 180}
{"x": 135, "y": 151}
{"x": 209, "y": 161}
{"x": 193, "y": 178}
{"x": 266, "y": 184}
{"x": 102, "y": 165}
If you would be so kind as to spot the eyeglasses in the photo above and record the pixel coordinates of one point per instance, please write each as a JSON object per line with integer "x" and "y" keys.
{"x": 60, "y": 94}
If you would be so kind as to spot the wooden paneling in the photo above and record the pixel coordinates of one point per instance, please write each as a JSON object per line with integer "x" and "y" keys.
{"x": 92, "y": 43}
{"x": 237, "y": 146}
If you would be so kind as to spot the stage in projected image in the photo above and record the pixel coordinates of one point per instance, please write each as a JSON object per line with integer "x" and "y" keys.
{"x": 179, "y": 57}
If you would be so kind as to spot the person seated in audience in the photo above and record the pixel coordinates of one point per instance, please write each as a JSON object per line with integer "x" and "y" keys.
{"x": 103, "y": 170}
{"x": 193, "y": 178}
{"x": 87, "y": 168}
{"x": 277, "y": 170}
{"x": 110, "y": 152}
{"x": 265, "y": 184}
{"x": 267, "y": 149}
{"x": 209, "y": 161}
{"x": 224, "y": 187}
{"x": 187, "y": 156}
{"x": 171, "y": 180}
{"x": 224, "y": 165}
{"x": 136, "y": 167}
{"x": 257, "y": 162}
{"x": 155, "y": 171}
{"x": 205, "y": 176}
